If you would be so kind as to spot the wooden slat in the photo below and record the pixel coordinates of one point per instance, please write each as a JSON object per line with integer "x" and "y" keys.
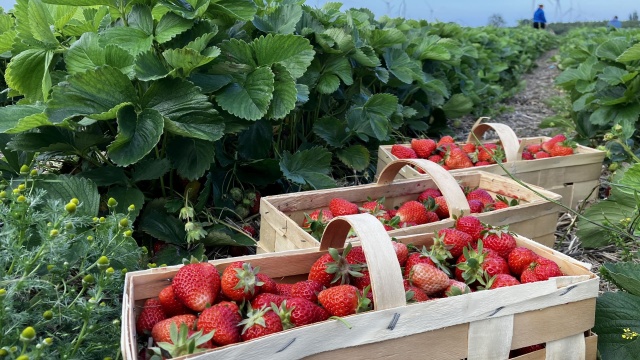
{"x": 569, "y": 348}
{"x": 490, "y": 338}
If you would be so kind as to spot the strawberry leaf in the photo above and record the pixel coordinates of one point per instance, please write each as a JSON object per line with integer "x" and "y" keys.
{"x": 310, "y": 166}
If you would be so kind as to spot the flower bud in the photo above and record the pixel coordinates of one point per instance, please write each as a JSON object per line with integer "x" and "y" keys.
{"x": 112, "y": 202}
{"x": 109, "y": 271}
{"x": 124, "y": 222}
{"x": 88, "y": 280}
{"x": 15, "y": 191}
{"x": 131, "y": 207}
{"x": 28, "y": 334}
{"x": 127, "y": 233}
{"x": 123, "y": 271}
{"x": 103, "y": 262}
{"x": 21, "y": 199}
{"x": 22, "y": 187}
{"x": 102, "y": 220}
{"x": 89, "y": 238}
{"x": 3, "y": 194}
{"x": 3, "y": 352}
{"x": 54, "y": 233}
{"x": 70, "y": 207}
{"x": 23, "y": 357}
{"x": 48, "y": 315}
{"x": 47, "y": 341}
{"x": 3, "y": 293}
{"x": 50, "y": 267}
{"x": 75, "y": 201}
{"x": 24, "y": 170}
{"x": 34, "y": 172}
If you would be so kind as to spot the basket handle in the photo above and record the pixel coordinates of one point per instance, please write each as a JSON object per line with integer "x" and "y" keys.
{"x": 446, "y": 183}
{"x": 507, "y": 136}
{"x": 384, "y": 270}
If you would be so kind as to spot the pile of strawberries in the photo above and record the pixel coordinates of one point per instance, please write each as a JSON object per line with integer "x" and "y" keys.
{"x": 429, "y": 206}
{"x": 459, "y": 156}
{"x": 203, "y": 309}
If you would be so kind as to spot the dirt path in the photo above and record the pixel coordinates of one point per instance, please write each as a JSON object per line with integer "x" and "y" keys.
{"x": 529, "y": 105}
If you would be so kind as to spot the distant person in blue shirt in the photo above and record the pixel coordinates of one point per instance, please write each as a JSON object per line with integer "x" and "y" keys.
{"x": 539, "y": 21}
{"x": 615, "y": 23}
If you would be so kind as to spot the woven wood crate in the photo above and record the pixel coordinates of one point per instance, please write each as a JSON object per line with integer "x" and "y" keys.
{"x": 535, "y": 217}
{"x": 574, "y": 177}
{"x": 479, "y": 325}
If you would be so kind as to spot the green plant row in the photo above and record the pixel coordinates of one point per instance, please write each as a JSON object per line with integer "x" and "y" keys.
{"x": 162, "y": 102}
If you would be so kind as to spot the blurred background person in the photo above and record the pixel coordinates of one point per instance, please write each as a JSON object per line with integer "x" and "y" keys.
{"x": 539, "y": 21}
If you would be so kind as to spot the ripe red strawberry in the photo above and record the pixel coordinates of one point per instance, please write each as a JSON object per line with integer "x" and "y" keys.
{"x": 561, "y": 149}
{"x": 476, "y": 266}
{"x": 265, "y": 299}
{"x": 500, "y": 241}
{"x": 470, "y": 225}
{"x": 415, "y": 294}
{"x": 526, "y": 155}
{"x": 255, "y": 208}
{"x": 482, "y": 195}
{"x": 455, "y": 240}
{"x": 412, "y": 211}
{"x": 320, "y": 216}
{"x": 541, "y": 155}
{"x": 249, "y": 230}
{"x": 403, "y": 152}
{"x": 456, "y": 288}
{"x": 476, "y": 206}
{"x": 284, "y": 289}
{"x": 457, "y": 159}
{"x": 260, "y": 322}
{"x": 239, "y": 281}
{"x": 541, "y": 269}
{"x": 151, "y": 314}
{"x": 445, "y": 140}
{"x": 355, "y": 255}
{"x": 170, "y": 304}
{"x": 373, "y": 207}
{"x": 534, "y": 148}
{"x": 423, "y": 147}
{"x": 503, "y": 280}
{"x": 494, "y": 264}
{"x": 428, "y": 193}
{"x": 468, "y": 148}
{"x": 402, "y": 252}
{"x": 339, "y": 207}
{"x": 416, "y": 258}
{"x": 268, "y": 284}
{"x": 491, "y": 153}
{"x": 428, "y": 278}
{"x": 333, "y": 268}
{"x": 343, "y": 300}
{"x": 519, "y": 259}
{"x": 482, "y": 163}
{"x": 223, "y": 319}
{"x": 361, "y": 282}
{"x": 298, "y": 312}
{"x": 499, "y": 205}
{"x": 307, "y": 289}
{"x": 162, "y": 330}
{"x": 436, "y": 159}
{"x": 443, "y": 209}
{"x": 547, "y": 145}
{"x": 432, "y": 217}
{"x": 196, "y": 285}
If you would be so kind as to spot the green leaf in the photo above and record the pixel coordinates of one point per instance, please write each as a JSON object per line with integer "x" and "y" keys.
{"x": 285, "y": 93}
{"x": 95, "y": 94}
{"x": 106, "y": 176}
{"x": 612, "y": 49}
{"x": 614, "y": 313}
{"x": 612, "y": 75}
{"x": 429, "y": 49}
{"x": 210, "y": 83}
{"x": 149, "y": 67}
{"x": 382, "y": 38}
{"x": 366, "y": 56}
{"x": 162, "y": 226}
{"x": 199, "y": 125}
{"x": 6, "y": 40}
{"x": 328, "y": 84}
{"x": 120, "y": 59}
{"x": 135, "y": 41}
{"x": 189, "y": 59}
{"x": 80, "y": 2}
{"x": 150, "y": 169}
{"x": 248, "y": 98}
{"x": 332, "y": 130}
{"x": 190, "y": 157}
{"x": 238, "y": 9}
{"x": 65, "y": 187}
{"x": 16, "y": 118}
{"x": 282, "y": 20}
{"x": 457, "y": 106}
{"x": 373, "y": 117}
{"x": 28, "y": 71}
{"x": 256, "y": 141}
{"x": 125, "y": 197}
{"x": 187, "y": 9}
{"x": 355, "y": 156}
{"x": 339, "y": 66}
{"x": 626, "y": 116}
{"x": 220, "y": 235}
{"x": 171, "y": 25}
{"x": 292, "y": 51}
{"x": 41, "y": 22}
{"x": 631, "y": 54}
{"x": 310, "y": 166}
{"x": 137, "y": 135}
{"x": 85, "y": 54}
{"x": 140, "y": 18}
{"x": 400, "y": 65}
{"x": 625, "y": 275}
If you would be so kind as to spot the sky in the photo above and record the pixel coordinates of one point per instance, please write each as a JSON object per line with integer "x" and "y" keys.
{"x": 477, "y": 12}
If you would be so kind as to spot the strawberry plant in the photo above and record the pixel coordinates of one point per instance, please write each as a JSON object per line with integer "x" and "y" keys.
{"x": 61, "y": 271}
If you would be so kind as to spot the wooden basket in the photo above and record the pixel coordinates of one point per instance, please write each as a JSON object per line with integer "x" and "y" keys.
{"x": 479, "y": 325}
{"x": 535, "y": 217}
{"x": 574, "y": 177}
